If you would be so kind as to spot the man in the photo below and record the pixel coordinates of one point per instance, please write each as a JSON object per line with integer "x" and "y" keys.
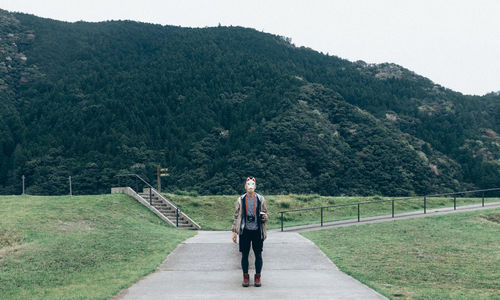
{"x": 250, "y": 216}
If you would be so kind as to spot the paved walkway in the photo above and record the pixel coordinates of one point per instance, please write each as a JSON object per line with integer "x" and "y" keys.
{"x": 388, "y": 218}
{"x": 207, "y": 266}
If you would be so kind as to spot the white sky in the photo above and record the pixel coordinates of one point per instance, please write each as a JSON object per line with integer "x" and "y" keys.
{"x": 455, "y": 43}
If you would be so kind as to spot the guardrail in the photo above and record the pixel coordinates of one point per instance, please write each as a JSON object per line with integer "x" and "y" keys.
{"x": 358, "y": 204}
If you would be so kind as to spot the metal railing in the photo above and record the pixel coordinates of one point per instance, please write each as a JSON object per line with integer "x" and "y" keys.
{"x": 358, "y": 204}
{"x": 151, "y": 188}
{"x": 137, "y": 187}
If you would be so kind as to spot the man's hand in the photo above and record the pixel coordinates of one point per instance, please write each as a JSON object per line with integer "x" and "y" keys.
{"x": 264, "y": 217}
{"x": 234, "y": 237}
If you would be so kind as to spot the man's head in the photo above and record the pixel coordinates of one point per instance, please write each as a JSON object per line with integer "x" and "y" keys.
{"x": 250, "y": 184}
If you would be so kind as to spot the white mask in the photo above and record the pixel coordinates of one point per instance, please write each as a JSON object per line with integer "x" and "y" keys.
{"x": 250, "y": 184}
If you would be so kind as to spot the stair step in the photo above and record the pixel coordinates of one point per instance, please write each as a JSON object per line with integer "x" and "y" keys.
{"x": 147, "y": 196}
{"x": 147, "y": 199}
{"x": 180, "y": 220}
{"x": 167, "y": 210}
{"x": 172, "y": 217}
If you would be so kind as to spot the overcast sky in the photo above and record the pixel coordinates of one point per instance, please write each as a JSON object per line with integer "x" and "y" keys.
{"x": 455, "y": 43}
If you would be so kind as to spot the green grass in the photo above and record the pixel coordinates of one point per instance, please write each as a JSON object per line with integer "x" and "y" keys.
{"x": 441, "y": 257}
{"x": 80, "y": 247}
{"x": 216, "y": 212}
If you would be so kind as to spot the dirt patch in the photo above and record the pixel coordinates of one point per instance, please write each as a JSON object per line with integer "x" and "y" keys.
{"x": 9, "y": 238}
{"x": 492, "y": 217}
{"x": 9, "y": 250}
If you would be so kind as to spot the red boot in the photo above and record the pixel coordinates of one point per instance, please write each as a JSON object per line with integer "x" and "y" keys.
{"x": 257, "y": 280}
{"x": 246, "y": 280}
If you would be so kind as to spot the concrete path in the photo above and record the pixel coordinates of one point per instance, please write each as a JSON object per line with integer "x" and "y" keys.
{"x": 207, "y": 266}
{"x": 388, "y": 218}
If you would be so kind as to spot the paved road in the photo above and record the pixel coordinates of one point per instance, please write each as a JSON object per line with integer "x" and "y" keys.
{"x": 207, "y": 266}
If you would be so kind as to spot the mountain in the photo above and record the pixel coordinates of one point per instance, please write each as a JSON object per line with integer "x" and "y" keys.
{"x": 215, "y": 105}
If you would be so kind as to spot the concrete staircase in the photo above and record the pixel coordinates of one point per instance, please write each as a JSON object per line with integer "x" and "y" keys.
{"x": 169, "y": 210}
{"x": 161, "y": 206}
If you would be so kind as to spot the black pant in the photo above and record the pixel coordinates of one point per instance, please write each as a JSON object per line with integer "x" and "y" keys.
{"x": 251, "y": 236}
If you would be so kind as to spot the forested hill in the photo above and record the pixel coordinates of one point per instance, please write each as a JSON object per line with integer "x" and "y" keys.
{"x": 215, "y": 105}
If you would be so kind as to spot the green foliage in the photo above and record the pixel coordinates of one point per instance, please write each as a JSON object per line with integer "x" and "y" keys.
{"x": 216, "y": 105}
{"x": 186, "y": 193}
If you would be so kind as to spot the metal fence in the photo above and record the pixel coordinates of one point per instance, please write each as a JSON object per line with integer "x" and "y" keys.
{"x": 359, "y": 204}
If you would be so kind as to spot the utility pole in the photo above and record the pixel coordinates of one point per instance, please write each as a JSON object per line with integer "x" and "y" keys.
{"x": 158, "y": 178}
{"x": 70, "y": 191}
{"x": 161, "y": 173}
{"x": 23, "y": 185}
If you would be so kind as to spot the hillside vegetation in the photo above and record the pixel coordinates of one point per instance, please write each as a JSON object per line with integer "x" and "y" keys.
{"x": 80, "y": 247}
{"x": 215, "y": 105}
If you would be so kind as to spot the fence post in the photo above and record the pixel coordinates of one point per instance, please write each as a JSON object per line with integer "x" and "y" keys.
{"x": 454, "y": 202}
{"x": 393, "y": 208}
{"x": 70, "y": 190}
{"x": 483, "y": 199}
{"x": 425, "y": 205}
{"x": 150, "y": 196}
{"x": 23, "y": 184}
{"x": 358, "y": 212}
{"x": 321, "y": 216}
{"x": 177, "y": 218}
{"x": 281, "y": 221}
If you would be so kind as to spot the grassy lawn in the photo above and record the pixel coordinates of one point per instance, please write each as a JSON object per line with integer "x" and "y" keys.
{"x": 80, "y": 247}
{"x": 216, "y": 212}
{"x": 441, "y": 257}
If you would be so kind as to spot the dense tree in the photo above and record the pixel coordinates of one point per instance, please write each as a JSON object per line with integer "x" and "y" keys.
{"x": 93, "y": 100}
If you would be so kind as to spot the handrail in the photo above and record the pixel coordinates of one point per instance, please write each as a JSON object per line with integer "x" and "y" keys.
{"x": 150, "y": 186}
{"x": 132, "y": 174}
{"x": 358, "y": 204}
{"x": 178, "y": 210}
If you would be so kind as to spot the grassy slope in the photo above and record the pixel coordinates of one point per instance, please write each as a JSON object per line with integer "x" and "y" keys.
{"x": 80, "y": 247}
{"x": 216, "y": 212}
{"x": 441, "y": 257}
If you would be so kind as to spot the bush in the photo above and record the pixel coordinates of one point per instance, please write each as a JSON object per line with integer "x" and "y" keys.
{"x": 186, "y": 193}
{"x": 284, "y": 204}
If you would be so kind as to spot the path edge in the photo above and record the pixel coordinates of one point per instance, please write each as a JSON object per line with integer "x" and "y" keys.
{"x": 123, "y": 292}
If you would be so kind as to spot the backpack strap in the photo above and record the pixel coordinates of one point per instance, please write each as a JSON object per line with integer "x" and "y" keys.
{"x": 243, "y": 200}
